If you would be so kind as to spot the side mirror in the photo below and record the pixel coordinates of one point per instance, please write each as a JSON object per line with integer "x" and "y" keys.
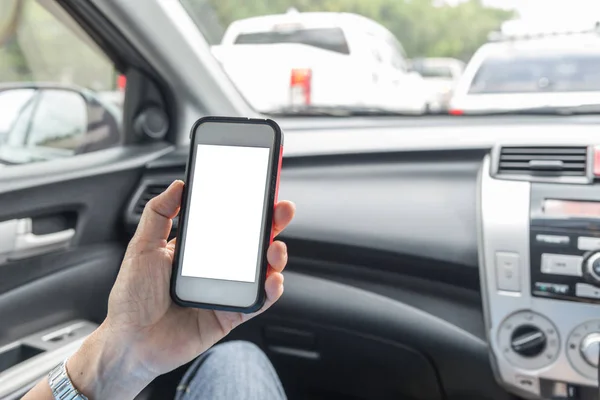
{"x": 59, "y": 120}
{"x": 45, "y": 122}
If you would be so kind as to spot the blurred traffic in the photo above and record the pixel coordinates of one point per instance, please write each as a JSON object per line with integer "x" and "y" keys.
{"x": 343, "y": 63}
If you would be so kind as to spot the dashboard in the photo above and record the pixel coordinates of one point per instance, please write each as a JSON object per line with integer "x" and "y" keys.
{"x": 501, "y": 212}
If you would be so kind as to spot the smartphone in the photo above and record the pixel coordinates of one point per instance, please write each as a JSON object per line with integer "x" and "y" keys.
{"x": 226, "y": 216}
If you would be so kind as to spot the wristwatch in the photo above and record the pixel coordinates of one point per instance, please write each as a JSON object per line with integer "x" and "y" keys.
{"x": 61, "y": 386}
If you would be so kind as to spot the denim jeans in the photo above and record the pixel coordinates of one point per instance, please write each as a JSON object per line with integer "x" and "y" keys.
{"x": 231, "y": 371}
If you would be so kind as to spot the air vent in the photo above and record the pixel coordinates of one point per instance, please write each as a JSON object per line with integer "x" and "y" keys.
{"x": 150, "y": 191}
{"x": 548, "y": 162}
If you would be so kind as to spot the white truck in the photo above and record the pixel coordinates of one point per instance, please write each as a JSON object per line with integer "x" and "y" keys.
{"x": 325, "y": 60}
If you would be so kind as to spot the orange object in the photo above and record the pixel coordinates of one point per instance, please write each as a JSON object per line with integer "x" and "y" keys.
{"x": 300, "y": 86}
{"x": 121, "y": 82}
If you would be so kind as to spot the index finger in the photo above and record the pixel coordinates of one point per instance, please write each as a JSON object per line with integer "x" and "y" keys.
{"x": 284, "y": 213}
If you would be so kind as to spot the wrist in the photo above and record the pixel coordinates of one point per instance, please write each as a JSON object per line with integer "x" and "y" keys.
{"x": 105, "y": 367}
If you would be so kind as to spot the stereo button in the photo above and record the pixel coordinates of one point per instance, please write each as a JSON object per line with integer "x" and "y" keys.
{"x": 588, "y": 243}
{"x": 585, "y": 290}
{"x": 507, "y": 272}
{"x": 561, "y": 264}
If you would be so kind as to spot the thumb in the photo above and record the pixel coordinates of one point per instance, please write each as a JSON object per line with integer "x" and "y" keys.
{"x": 155, "y": 223}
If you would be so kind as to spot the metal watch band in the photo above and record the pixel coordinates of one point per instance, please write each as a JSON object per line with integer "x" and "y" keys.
{"x": 61, "y": 386}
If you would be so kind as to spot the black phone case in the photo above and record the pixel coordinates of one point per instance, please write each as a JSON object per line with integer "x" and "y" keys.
{"x": 276, "y": 167}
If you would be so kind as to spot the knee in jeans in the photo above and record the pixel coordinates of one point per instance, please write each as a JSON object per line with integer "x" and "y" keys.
{"x": 236, "y": 348}
{"x": 230, "y": 365}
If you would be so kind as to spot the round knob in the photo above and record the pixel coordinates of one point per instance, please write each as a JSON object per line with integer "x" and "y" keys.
{"x": 591, "y": 268}
{"x": 528, "y": 341}
{"x": 590, "y": 349}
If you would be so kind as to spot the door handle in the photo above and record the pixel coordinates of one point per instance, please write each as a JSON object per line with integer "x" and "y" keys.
{"x": 28, "y": 244}
{"x": 20, "y": 242}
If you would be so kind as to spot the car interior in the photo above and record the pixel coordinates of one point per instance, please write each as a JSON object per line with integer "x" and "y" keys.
{"x": 446, "y": 258}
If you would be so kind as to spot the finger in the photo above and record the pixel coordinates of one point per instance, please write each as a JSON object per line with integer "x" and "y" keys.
{"x": 277, "y": 256}
{"x": 274, "y": 289}
{"x": 156, "y": 221}
{"x": 284, "y": 213}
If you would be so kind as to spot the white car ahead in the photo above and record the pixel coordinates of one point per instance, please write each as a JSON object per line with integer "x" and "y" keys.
{"x": 544, "y": 71}
{"x": 327, "y": 60}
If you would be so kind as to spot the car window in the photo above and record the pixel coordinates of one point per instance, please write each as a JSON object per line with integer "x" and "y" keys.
{"x": 44, "y": 51}
{"x": 59, "y": 121}
{"x": 528, "y": 73}
{"x": 332, "y": 39}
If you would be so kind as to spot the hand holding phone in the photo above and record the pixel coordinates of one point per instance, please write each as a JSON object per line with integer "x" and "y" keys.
{"x": 227, "y": 209}
{"x": 144, "y": 335}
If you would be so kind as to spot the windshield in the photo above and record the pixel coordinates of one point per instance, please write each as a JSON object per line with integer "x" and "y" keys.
{"x": 529, "y": 73}
{"x": 404, "y": 58}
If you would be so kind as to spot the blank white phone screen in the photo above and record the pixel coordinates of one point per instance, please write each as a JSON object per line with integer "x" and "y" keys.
{"x": 225, "y": 213}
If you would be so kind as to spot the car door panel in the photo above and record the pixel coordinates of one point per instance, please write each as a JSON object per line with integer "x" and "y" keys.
{"x": 76, "y": 291}
{"x": 20, "y": 272}
{"x": 73, "y": 283}
{"x": 62, "y": 236}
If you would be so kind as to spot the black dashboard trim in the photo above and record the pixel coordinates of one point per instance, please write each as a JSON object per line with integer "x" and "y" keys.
{"x": 420, "y": 217}
{"x": 316, "y": 300}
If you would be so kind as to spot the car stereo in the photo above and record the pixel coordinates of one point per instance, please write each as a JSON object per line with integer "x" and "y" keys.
{"x": 564, "y": 237}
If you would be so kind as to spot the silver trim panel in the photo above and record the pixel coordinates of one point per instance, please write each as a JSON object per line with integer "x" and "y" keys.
{"x": 503, "y": 226}
{"x": 57, "y": 344}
